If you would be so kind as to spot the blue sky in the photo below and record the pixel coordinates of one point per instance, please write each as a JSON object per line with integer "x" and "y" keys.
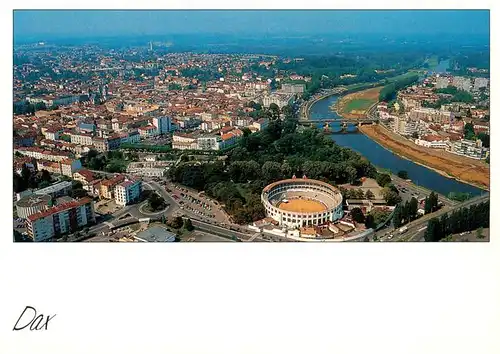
{"x": 133, "y": 23}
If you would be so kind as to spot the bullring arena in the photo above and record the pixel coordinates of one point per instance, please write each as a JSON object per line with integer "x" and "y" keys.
{"x": 299, "y": 202}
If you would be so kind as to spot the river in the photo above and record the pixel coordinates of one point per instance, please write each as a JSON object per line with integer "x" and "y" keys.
{"x": 384, "y": 158}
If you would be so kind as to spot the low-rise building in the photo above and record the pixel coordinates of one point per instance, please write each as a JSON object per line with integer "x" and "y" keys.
{"x": 32, "y": 204}
{"x": 55, "y": 190}
{"x": 107, "y": 187}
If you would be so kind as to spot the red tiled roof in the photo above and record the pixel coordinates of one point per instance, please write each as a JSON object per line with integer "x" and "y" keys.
{"x": 59, "y": 208}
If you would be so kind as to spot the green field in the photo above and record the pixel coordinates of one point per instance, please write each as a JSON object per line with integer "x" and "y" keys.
{"x": 433, "y": 61}
{"x": 402, "y": 76}
{"x": 358, "y": 104}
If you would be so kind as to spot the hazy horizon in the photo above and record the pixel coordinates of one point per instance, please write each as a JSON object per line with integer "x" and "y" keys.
{"x": 53, "y": 24}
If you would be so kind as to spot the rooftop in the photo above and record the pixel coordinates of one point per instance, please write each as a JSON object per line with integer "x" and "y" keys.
{"x": 156, "y": 234}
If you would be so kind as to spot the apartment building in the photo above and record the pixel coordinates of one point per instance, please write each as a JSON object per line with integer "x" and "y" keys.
{"x": 107, "y": 187}
{"x": 431, "y": 115}
{"x": 184, "y": 142}
{"x": 68, "y": 167}
{"x": 469, "y": 148}
{"x": 293, "y": 88}
{"x": 162, "y": 124}
{"x": 261, "y": 124}
{"x": 433, "y": 141}
{"x": 210, "y": 142}
{"x": 148, "y": 131}
{"x": 127, "y": 192}
{"x": 81, "y": 139}
{"x": 405, "y": 127}
{"x": 41, "y": 154}
{"x": 281, "y": 100}
{"x": 61, "y": 219}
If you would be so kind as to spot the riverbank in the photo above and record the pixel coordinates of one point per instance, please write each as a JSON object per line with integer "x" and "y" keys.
{"x": 355, "y": 105}
{"x": 463, "y": 169}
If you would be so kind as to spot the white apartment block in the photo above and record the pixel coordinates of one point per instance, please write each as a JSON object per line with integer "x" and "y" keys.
{"x": 210, "y": 143}
{"x": 293, "y": 88}
{"x": 81, "y": 139}
{"x": 405, "y": 127}
{"x": 431, "y": 114}
{"x": 127, "y": 192}
{"x": 469, "y": 148}
{"x": 435, "y": 144}
{"x": 281, "y": 100}
{"x": 68, "y": 167}
{"x": 148, "y": 131}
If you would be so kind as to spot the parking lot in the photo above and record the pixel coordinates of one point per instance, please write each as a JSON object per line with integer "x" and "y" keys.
{"x": 193, "y": 202}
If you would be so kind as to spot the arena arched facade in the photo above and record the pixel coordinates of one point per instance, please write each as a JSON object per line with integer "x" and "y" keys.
{"x": 300, "y": 202}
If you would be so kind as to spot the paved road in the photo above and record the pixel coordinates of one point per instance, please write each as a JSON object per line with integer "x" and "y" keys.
{"x": 424, "y": 192}
{"x": 416, "y": 229}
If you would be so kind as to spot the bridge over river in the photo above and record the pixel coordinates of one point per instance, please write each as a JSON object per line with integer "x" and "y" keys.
{"x": 342, "y": 121}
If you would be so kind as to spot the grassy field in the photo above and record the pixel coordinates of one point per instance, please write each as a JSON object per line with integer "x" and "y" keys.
{"x": 433, "y": 61}
{"x": 358, "y": 104}
{"x": 355, "y": 105}
{"x": 402, "y": 76}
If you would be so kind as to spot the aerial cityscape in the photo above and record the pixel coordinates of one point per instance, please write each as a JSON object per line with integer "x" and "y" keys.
{"x": 251, "y": 126}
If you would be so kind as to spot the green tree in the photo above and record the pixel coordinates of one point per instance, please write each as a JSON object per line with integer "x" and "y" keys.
{"x": 479, "y": 233}
{"x": 413, "y": 209}
{"x": 271, "y": 171}
{"x": 469, "y": 133}
{"x": 357, "y": 215}
{"x": 433, "y": 231}
{"x": 397, "y": 216}
{"x": 390, "y": 196}
{"x": 188, "y": 225}
{"x": 156, "y": 202}
{"x": 403, "y": 174}
{"x": 176, "y": 222}
{"x": 370, "y": 222}
{"x": 383, "y": 179}
{"x": 369, "y": 195}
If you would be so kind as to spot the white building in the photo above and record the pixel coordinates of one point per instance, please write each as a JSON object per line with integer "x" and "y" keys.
{"x": 281, "y": 100}
{"x": 162, "y": 124}
{"x": 469, "y": 148}
{"x": 81, "y": 139}
{"x": 68, "y": 167}
{"x": 293, "y": 88}
{"x": 405, "y": 127}
{"x": 480, "y": 82}
{"x": 128, "y": 192}
{"x": 431, "y": 142}
{"x": 210, "y": 142}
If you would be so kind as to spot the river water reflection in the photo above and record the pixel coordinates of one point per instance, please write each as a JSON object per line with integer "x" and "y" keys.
{"x": 382, "y": 157}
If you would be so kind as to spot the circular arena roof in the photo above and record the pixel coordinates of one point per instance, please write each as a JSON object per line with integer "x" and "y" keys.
{"x": 301, "y": 196}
